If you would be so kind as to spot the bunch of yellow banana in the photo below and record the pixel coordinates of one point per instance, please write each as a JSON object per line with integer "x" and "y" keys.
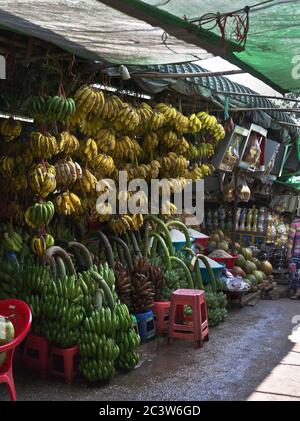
{"x": 88, "y": 99}
{"x": 7, "y": 165}
{"x": 204, "y": 150}
{"x": 106, "y": 140}
{"x": 101, "y": 212}
{"x": 67, "y": 203}
{"x": 157, "y": 121}
{"x": 137, "y": 221}
{"x": 150, "y": 142}
{"x": 126, "y": 223}
{"x": 126, "y": 148}
{"x": 140, "y": 199}
{"x": 193, "y": 152}
{"x": 195, "y": 124}
{"x": 207, "y": 169}
{"x": 20, "y": 182}
{"x": 182, "y": 146}
{"x": 207, "y": 121}
{"x": 181, "y": 123}
{"x": 174, "y": 163}
{"x": 88, "y": 149}
{"x": 103, "y": 186}
{"x": 144, "y": 112}
{"x": 67, "y": 172}
{"x": 91, "y": 125}
{"x": 168, "y": 138}
{"x": 126, "y": 118}
{"x": 67, "y": 143}
{"x": 137, "y": 171}
{"x": 169, "y": 112}
{"x": 10, "y": 129}
{"x": 154, "y": 169}
{"x": 177, "y": 184}
{"x": 42, "y": 179}
{"x": 27, "y": 158}
{"x": 87, "y": 183}
{"x": 168, "y": 208}
{"x": 40, "y": 243}
{"x": 112, "y": 105}
{"x": 43, "y": 146}
{"x": 194, "y": 173}
{"x": 218, "y": 132}
{"x": 103, "y": 164}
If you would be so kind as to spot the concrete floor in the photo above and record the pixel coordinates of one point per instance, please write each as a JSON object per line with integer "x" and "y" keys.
{"x": 252, "y": 356}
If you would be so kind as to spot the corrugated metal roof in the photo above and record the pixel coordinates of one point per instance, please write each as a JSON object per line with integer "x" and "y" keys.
{"x": 207, "y": 87}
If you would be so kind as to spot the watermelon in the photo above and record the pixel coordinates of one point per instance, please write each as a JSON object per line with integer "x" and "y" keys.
{"x": 249, "y": 267}
{"x": 246, "y": 252}
{"x": 259, "y": 276}
{"x": 240, "y": 261}
{"x": 266, "y": 267}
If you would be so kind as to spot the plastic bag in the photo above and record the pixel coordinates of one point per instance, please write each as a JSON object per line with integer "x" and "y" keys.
{"x": 252, "y": 153}
{"x": 228, "y": 189}
{"x": 7, "y": 334}
{"x": 243, "y": 191}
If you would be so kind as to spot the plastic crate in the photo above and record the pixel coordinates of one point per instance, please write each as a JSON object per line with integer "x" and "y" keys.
{"x": 228, "y": 261}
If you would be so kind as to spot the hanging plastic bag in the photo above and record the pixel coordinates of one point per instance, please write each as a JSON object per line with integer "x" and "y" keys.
{"x": 253, "y": 151}
{"x": 243, "y": 192}
{"x": 228, "y": 189}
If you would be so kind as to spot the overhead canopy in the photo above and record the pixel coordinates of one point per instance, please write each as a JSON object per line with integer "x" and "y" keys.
{"x": 95, "y": 31}
{"x": 272, "y": 50}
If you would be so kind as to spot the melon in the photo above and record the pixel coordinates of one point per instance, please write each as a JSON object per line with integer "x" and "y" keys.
{"x": 264, "y": 276}
{"x": 255, "y": 261}
{"x": 238, "y": 271}
{"x": 259, "y": 276}
{"x": 211, "y": 245}
{"x": 249, "y": 267}
{"x": 266, "y": 267}
{"x": 246, "y": 252}
{"x": 252, "y": 279}
{"x": 215, "y": 237}
{"x": 240, "y": 260}
{"x": 223, "y": 245}
{"x": 220, "y": 234}
{"x": 7, "y": 331}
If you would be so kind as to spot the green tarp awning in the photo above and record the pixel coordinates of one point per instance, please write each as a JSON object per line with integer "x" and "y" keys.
{"x": 272, "y": 50}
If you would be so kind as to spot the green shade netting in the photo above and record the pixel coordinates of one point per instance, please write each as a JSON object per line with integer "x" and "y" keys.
{"x": 272, "y": 51}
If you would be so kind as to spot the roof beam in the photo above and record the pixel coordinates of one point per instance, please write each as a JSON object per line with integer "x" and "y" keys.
{"x": 165, "y": 75}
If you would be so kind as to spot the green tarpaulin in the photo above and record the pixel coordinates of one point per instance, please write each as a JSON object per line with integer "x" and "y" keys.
{"x": 272, "y": 50}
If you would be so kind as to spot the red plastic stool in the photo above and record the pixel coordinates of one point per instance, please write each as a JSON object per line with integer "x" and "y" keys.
{"x": 61, "y": 362}
{"x": 197, "y": 330}
{"x": 161, "y": 310}
{"x": 36, "y": 352}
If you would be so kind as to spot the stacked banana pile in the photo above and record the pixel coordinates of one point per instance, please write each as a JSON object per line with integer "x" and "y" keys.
{"x": 10, "y": 129}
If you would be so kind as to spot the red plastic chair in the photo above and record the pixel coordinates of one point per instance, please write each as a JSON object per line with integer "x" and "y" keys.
{"x": 19, "y": 314}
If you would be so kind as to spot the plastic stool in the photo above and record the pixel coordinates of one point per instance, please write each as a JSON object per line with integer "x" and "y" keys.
{"x": 36, "y": 352}
{"x": 135, "y": 324}
{"x": 161, "y": 310}
{"x": 146, "y": 325}
{"x": 197, "y": 330}
{"x": 66, "y": 367}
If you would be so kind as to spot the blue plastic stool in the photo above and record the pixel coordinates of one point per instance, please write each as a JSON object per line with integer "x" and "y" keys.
{"x": 146, "y": 325}
{"x": 135, "y": 324}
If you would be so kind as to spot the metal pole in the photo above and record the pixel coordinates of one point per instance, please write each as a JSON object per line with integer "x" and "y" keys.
{"x": 256, "y": 96}
{"x": 165, "y": 75}
{"x": 290, "y": 110}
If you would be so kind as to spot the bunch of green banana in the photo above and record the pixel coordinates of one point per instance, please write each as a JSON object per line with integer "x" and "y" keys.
{"x": 51, "y": 108}
{"x": 127, "y": 340}
{"x": 67, "y": 288}
{"x": 9, "y": 285}
{"x": 103, "y": 321}
{"x": 12, "y": 241}
{"x": 35, "y": 278}
{"x": 39, "y": 214}
{"x": 103, "y": 346}
{"x": 127, "y": 361}
{"x": 60, "y": 334}
{"x": 94, "y": 369}
{"x": 35, "y": 303}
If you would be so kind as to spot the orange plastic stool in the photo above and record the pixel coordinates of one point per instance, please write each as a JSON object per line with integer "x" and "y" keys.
{"x": 62, "y": 362}
{"x": 36, "y": 353}
{"x": 197, "y": 330}
{"x": 161, "y": 310}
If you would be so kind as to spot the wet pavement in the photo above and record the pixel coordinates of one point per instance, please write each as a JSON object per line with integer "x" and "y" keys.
{"x": 250, "y": 356}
